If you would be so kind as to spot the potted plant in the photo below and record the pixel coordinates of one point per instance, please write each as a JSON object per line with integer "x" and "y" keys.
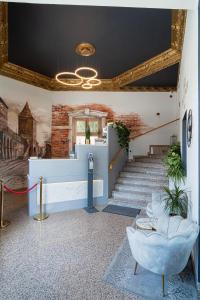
{"x": 123, "y": 134}
{"x": 173, "y": 163}
{"x": 176, "y": 201}
{"x": 87, "y": 134}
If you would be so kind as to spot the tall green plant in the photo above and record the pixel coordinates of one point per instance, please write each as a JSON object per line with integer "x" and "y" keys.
{"x": 174, "y": 165}
{"x": 123, "y": 134}
{"x": 176, "y": 201}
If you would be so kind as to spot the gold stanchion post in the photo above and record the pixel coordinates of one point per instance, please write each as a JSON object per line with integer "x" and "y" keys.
{"x": 3, "y": 223}
{"x": 41, "y": 216}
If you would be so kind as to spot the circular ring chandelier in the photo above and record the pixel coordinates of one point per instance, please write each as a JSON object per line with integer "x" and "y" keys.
{"x": 70, "y": 83}
{"x": 84, "y": 80}
{"x": 86, "y": 77}
{"x": 94, "y": 81}
{"x": 86, "y": 86}
{"x": 87, "y": 69}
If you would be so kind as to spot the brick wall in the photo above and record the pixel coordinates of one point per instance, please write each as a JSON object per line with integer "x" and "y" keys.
{"x": 60, "y": 131}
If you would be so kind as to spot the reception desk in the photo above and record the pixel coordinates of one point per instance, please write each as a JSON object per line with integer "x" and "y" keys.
{"x": 65, "y": 180}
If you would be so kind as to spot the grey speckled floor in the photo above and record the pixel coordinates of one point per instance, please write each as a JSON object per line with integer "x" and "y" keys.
{"x": 63, "y": 257}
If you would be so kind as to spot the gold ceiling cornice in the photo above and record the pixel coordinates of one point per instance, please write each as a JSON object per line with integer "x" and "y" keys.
{"x": 25, "y": 75}
{"x": 3, "y": 33}
{"x": 119, "y": 83}
{"x": 149, "y": 67}
{"x": 178, "y": 29}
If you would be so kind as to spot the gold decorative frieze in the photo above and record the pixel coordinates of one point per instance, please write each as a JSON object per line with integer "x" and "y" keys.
{"x": 25, "y": 75}
{"x": 36, "y": 79}
{"x": 106, "y": 84}
{"x": 3, "y": 33}
{"x": 149, "y": 67}
{"x": 149, "y": 89}
{"x": 119, "y": 83}
{"x": 178, "y": 29}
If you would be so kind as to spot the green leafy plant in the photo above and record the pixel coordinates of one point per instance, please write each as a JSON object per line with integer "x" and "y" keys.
{"x": 176, "y": 201}
{"x": 87, "y": 133}
{"x": 123, "y": 134}
{"x": 173, "y": 163}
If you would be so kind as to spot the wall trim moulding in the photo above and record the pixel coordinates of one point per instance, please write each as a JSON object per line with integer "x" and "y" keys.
{"x": 119, "y": 83}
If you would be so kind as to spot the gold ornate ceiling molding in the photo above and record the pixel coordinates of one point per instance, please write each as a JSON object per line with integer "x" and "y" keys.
{"x": 3, "y": 33}
{"x": 25, "y": 75}
{"x": 178, "y": 29}
{"x": 119, "y": 83}
{"x": 149, "y": 67}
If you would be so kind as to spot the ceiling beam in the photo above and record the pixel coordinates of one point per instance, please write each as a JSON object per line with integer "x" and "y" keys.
{"x": 162, "y": 4}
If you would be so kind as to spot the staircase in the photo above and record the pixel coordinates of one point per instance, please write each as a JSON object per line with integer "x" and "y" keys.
{"x": 138, "y": 180}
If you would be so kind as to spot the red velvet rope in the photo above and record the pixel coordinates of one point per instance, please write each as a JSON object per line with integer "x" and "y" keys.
{"x": 19, "y": 192}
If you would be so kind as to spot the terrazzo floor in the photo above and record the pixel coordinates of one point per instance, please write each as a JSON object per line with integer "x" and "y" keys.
{"x": 64, "y": 257}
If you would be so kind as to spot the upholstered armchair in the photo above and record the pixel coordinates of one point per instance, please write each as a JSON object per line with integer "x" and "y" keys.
{"x": 156, "y": 207}
{"x": 167, "y": 250}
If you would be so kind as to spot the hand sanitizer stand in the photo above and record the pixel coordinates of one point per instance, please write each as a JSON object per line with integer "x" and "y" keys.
{"x": 90, "y": 208}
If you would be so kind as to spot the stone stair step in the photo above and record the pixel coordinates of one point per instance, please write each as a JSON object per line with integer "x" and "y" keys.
{"x": 151, "y": 165}
{"x": 133, "y": 204}
{"x": 143, "y": 176}
{"x": 138, "y": 180}
{"x": 144, "y": 170}
{"x": 142, "y": 182}
{"x": 137, "y": 188}
{"x": 148, "y": 159}
{"x": 131, "y": 196}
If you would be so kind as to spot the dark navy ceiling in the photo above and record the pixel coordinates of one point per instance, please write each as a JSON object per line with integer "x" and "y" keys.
{"x": 43, "y": 38}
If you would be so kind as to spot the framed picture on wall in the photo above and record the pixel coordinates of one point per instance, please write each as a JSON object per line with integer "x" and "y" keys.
{"x": 189, "y": 128}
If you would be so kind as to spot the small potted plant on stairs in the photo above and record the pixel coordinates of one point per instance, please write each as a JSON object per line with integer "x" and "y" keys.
{"x": 176, "y": 200}
{"x": 173, "y": 163}
{"x": 123, "y": 134}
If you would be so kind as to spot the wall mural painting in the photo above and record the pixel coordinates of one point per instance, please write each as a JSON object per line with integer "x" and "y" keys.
{"x": 62, "y": 126}
{"x": 16, "y": 146}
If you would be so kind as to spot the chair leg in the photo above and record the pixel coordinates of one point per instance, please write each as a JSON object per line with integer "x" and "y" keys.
{"x": 136, "y": 264}
{"x": 180, "y": 275}
{"x": 163, "y": 285}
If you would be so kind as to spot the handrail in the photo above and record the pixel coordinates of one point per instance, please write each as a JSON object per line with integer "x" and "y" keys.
{"x": 153, "y": 129}
{"x": 114, "y": 159}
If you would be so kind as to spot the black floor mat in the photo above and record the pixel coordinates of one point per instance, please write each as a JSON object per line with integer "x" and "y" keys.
{"x": 122, "y": 210}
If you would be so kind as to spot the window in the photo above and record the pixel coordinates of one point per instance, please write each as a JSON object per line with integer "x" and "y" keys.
{"x": 81, "y": 125}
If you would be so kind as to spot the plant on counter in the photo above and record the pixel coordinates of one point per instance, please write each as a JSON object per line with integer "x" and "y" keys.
{"x": 176, "y": 201}
{"x": 87, "y": 134}
{"x": 123, "y": 134}
{"x": 173, "y": 163}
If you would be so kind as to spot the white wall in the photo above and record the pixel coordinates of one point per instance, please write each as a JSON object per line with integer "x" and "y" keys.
{"x": 188, "y": 98}
{"x": 145, "y": 104}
